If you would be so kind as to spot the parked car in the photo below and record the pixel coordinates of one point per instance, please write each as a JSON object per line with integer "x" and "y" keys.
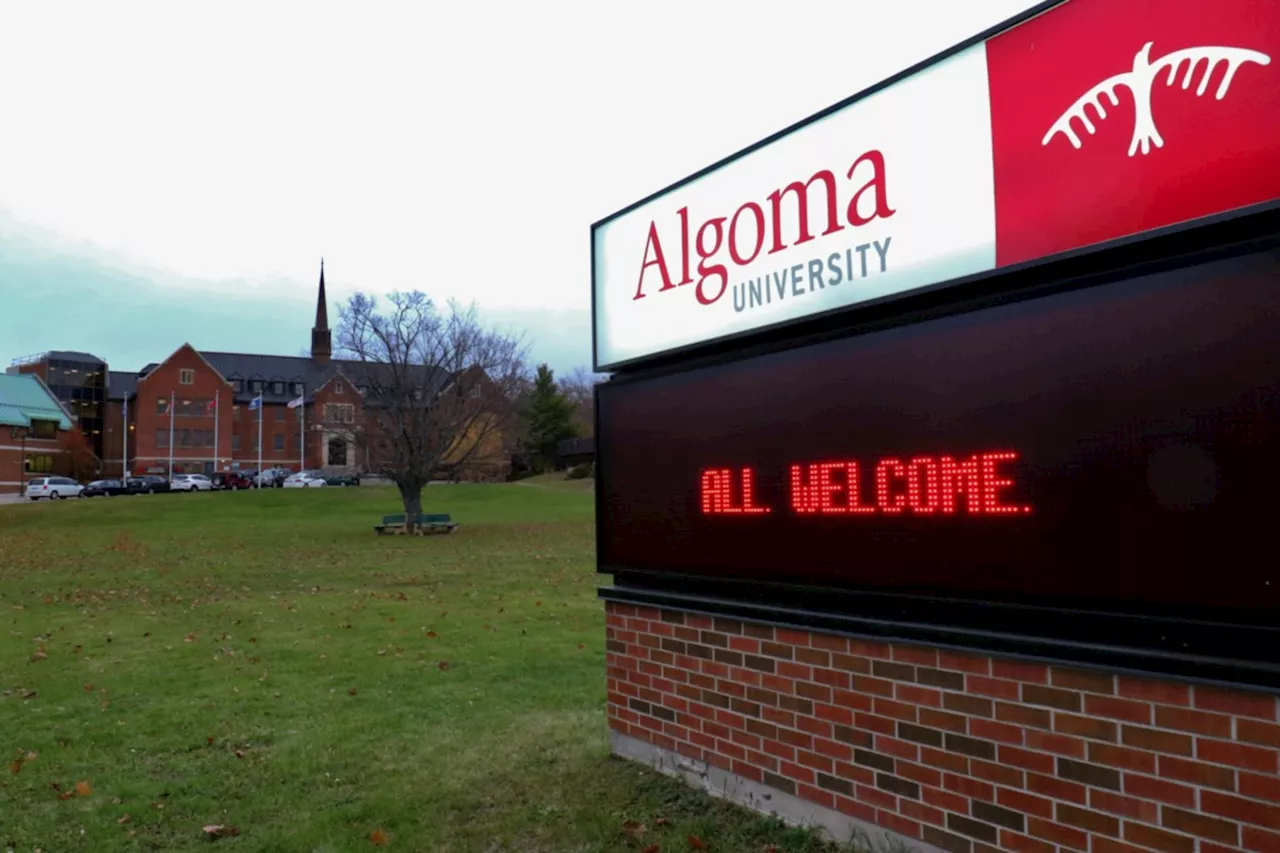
{"x": 340, "y": 479}
{"x": 53, "y": 488}
{"x": 273, "y": 477}
{"x": 104, "y": 488}
{"x": 304, "y": 480}
{"x": 148, "y": 484}
{"x": 231, "y": 480}
{"x": 190, "y": 483}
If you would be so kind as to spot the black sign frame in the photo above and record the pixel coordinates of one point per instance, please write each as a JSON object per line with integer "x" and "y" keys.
{"x": 1196, "y": 646}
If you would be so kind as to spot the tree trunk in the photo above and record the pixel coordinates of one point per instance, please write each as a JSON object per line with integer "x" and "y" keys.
{"x": 411, "y": 496}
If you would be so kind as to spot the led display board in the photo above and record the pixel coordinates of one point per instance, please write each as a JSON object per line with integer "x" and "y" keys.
{"x": 1116, "y": 446}
{"x": 1086, "y": 124}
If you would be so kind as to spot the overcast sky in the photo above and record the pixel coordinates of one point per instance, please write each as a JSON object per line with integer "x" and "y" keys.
{"x": 173, "y": 172}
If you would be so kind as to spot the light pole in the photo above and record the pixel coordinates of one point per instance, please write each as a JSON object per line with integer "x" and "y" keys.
{"x": 21, "y": 433}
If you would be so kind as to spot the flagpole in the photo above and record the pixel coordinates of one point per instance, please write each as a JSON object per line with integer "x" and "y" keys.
{"x": 215, "y": 430}
{"x": 124, "y": 444}
{"x": 171, "y": 407}
{"x": 302, "y": 437}
{"x": 259, "y": 441}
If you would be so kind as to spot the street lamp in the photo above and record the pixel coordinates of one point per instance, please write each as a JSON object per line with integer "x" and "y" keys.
{"x": 22, "y": 432}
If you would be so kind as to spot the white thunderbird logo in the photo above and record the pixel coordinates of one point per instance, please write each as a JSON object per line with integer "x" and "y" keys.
{"x": 1139, "y": 82}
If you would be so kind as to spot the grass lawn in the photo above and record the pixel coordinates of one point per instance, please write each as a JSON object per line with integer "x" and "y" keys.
{"x": 262, "y": 661}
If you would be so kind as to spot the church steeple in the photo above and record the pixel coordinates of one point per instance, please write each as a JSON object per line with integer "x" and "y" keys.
{"x": 321, "y": 339}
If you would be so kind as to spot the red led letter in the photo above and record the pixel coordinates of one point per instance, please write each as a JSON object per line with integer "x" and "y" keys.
{"x": 714, "y": 491}
{"x": 961, "y": 478}
{"x": 991, "y": 484}
{"x": 922, "y": 485}
{"x": 885, "y": 501}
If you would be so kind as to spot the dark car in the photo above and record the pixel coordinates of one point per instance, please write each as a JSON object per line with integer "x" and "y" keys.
{"x": 340, "y": 479}
{"x": 146, "y": 485}
{"x": 231, "y": 480}
{"x": 104, "y": 488}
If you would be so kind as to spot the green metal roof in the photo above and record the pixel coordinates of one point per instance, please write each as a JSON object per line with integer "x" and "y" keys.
{"x": 24, "y": 398}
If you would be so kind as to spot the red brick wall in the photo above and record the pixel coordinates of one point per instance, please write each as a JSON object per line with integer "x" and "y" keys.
{"x": 963, "y": 751}
{"x": 11, "y": 468}
{"x": 247, "y": 428}
{"x": 159, "y": 383}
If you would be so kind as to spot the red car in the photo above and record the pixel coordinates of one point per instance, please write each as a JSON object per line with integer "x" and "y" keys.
{"x": 230, "y": 480}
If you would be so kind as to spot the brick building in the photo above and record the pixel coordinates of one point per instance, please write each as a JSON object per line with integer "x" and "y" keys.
{"x": 31, "y": 421}
{"x": 212, "y": 427}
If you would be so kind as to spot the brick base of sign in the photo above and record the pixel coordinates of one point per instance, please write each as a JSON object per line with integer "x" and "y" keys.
{"x": 967, "y": 753}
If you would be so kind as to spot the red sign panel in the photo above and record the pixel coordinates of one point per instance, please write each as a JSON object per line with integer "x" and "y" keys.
{"x": 1113, "y": 117}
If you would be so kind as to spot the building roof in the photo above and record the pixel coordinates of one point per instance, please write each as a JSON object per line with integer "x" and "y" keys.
{"x": 289, "y": 369}
{"x": 24, "y": 398}
{"x": 121, "y": 384}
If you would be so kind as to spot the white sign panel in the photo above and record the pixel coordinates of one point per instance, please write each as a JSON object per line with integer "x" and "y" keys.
{"x": 891, "y": 193}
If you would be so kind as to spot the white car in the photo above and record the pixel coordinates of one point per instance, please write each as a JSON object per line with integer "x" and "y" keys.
{"x": 190, "y": 483}
{"x": 304, "y": 480}
{"x": 53, "y": 488}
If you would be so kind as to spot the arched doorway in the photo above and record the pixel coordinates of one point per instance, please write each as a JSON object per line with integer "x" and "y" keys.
{"x": 337, "y": 452}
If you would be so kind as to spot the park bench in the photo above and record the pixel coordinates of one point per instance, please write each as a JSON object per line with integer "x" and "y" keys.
{"x": 426, "y": 523}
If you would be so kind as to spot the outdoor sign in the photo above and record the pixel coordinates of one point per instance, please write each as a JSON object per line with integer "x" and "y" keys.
{"x": 1093, "y": 121}
{"x": 1116, "y": 445}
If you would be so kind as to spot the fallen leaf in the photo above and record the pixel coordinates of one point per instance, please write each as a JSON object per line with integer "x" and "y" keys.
{"x": 190, "y": 638}
{"x": 83, "y": 788}
{"x": 66, "y": 795}
{"x": 123, "y": 819}
{"x": 39, "y": 655}
{"x": 443, "y": 665}
{"x": 88, "y": 687}
{"x": 431, "y": 635}
{"x": 652, "y": 848}
{"x": 239, "y": 753}
{"x": 378, "y": 838}
{"x": 537, "y": 604}
{"x": 696, "y": 843}
{"x": 352, "y": 692}
{"x": 659, "y": 821}
{"x": 16, "y": 766}
{"x": 582, "y": 645}
{"x": 217, "y": 830}
{"x": 633, "y": 828}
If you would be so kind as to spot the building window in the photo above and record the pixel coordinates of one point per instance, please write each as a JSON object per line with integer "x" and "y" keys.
{"x": 297, "y": 389}
{"x": 187, "y": 376}
{"x": 162, "y": 438}
{"x": 235, "y": 412}
{"x": 255, "y": 385}
{"x": 337, "y": 387}
{"x": 280, "y": 410}
{"x": 277, "y": 387}
{"x": 237, "y": 385}
{"x": 235, "y": 442}
{"x": 162, "y": 406}
{"x": 40, "y": 464}
{"x": 279, "y": 441}
{"x": 339, "y": 413}
{"x": 362, "y": 389}
{"x": 44, "y": 429}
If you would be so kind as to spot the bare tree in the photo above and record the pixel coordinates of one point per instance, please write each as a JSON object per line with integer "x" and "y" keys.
{"x": 439, "y": 388}
{"x": 579, "y": 386}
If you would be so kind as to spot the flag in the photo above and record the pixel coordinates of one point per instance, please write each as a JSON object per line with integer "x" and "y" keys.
{"x": 293, "y": 404}
{"x": 255, "y": 403}
{"x": 211, "y": 408}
